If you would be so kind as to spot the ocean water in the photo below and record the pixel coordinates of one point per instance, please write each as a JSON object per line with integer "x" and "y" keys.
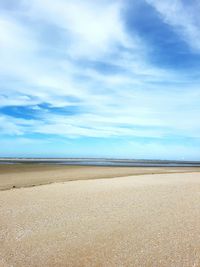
{"x": 104, "y": 162}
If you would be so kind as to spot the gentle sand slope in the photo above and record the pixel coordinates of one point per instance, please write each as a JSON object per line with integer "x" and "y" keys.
{"x": 150, "y": 220}
{"x": 26, "y": 175}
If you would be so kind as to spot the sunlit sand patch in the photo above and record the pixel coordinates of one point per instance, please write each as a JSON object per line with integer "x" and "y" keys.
{"x": 147, "y": 220}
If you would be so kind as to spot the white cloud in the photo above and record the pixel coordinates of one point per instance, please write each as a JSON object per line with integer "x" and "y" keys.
{"x": 10, "y": 126}
{"x": 92, "y": 28}
{"x": 132, "y": 102}
{"x": 183, "y": 17}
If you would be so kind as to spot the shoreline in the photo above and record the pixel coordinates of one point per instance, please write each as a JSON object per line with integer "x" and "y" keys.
{"x": 100, "y": 162}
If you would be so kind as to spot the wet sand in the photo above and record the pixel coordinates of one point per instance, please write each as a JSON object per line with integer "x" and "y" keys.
{"x": 27, "y": 175}
{"x": 147, "y": 220}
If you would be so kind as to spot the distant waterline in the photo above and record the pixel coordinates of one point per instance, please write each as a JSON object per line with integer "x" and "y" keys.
{"x": 103, "y": 162}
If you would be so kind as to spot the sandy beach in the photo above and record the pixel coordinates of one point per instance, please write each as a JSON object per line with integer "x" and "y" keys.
{"x": 26, "y": 175}
{"x": 145, "y": 220}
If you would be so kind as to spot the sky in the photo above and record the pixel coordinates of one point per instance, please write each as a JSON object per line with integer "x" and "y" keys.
{"x": 100, "y": 78}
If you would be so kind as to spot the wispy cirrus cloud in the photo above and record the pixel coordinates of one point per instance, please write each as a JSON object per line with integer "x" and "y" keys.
{"x": 84, "y": 69}
{"x": 183, "y": 17}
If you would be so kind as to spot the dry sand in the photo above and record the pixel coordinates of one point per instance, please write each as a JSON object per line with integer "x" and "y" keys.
{"x": 26, "y": 175}
{"x": 148, "y": 220}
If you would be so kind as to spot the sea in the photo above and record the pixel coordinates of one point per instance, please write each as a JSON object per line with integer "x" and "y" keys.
{"x": 101, "y": 162}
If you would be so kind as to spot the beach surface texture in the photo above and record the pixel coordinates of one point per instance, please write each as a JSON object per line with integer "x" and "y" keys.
{"x": 137, "y": 220}
{"x": 27, "y": 175}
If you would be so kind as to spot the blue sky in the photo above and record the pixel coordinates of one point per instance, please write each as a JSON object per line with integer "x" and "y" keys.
{"x": 100, "y": 78}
